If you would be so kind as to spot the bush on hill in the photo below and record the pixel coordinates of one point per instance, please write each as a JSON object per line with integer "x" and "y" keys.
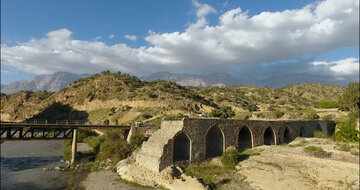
{"x": 222, "y": 112}
{"x": 328, "y": 104}
{"x": 311, "y": 115}
{"x": 350, "y": 99}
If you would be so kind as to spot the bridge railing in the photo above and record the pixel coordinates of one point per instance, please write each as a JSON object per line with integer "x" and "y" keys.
{"x": 44, "y": 121}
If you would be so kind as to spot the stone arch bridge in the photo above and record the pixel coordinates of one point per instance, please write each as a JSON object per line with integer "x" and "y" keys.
{"x": 195, "y": 140}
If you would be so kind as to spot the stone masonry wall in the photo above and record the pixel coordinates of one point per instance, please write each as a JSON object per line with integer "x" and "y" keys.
{"x": 157, "y": 153}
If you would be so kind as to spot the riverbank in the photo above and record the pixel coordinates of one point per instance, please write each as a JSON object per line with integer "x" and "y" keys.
{"x": 22, "y": 164}
{"x": 31, "y": 165}
{"x": 108, "y": 180}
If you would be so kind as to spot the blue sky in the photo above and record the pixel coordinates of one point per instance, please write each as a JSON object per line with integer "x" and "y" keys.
{"x": 142, "y": 36}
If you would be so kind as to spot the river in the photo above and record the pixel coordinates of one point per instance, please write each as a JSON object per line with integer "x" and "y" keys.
{"x": 22, "y": 164}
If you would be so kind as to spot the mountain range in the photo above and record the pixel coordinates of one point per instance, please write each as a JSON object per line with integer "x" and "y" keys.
{"x": 59, "y": 80}
{"x": 225, "y": 79}
{"x": 53, "y": 83}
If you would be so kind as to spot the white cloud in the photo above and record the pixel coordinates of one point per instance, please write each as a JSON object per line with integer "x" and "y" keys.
{"x": 349, "y": 66}
{"x": 131, "y": 37}
{"x": 97, "y": 38}
{"x": 5, "y": 72}
{"x": 203, "y": 9}
{"x": 237, "y": 40}
{"x": 111, "y": 36}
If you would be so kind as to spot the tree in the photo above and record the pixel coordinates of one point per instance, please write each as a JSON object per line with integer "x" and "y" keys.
{"x": 222, "y": 112}
{"x": 350, "y": 99}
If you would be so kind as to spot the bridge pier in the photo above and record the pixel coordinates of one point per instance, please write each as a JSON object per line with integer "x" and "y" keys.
{"x": 74, "y": 147}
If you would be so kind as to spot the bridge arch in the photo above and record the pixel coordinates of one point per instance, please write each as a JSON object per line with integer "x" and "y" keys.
{"x": 182, "y": 147}
{"x": 269, "y": 137}
{"x": 302, "y": 132}
{"x": 318, "y": 128}
{"x": 214, "y": 142}
{"x": 287, "y": 135}
{"x": 245, "y": 138}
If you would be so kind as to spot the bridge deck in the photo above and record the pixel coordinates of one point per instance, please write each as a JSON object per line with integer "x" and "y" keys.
{"x": 76, "y": 126}
{"x": 44, "y": 131}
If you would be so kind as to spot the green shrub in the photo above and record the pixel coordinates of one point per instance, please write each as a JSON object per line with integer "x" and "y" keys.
{"x": 230, "y": 158}
{"x": 327, "y": 117}
{"x": 177, "y": 116}
{"x": 313, "y": 149}
{"x": 67, "y": 150}
{"x": 146, "y": 116}
{"x": 251, "y": 152}
{"x": 311, "y": 115}
{"x": 346, "y": 131}
{"x": 94, "y": 141}
{"x": 84, "y": 134}
{"x": 260, "y": 115}
{"x": 296, "y": 115}
{"x": 354, "y": 152}
{"x": 319, "y": 134}
{"x": 156, "y": 122}
{"x": 222, "y": 112}
{"x": 114, "y": 146}
{"x": 317, "y": 151}
{"x": 207, "y": 172}
{"x": 137, "y": 139}
{"x": 328, "y": 104}
{"x": 243, "y": 116}
{"x": 350, "y": 99}
{"x": 277, "y": 114}
{"x": 344, "y": 147}
{"x": 106, "y": 122}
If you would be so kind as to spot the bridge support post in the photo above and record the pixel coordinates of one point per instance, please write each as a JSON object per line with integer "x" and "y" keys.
{"x": 74, "y": 147}
{"x": 133, "y": 130}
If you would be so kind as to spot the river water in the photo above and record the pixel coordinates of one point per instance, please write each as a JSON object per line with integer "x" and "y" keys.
{"x": 22, "y": 164}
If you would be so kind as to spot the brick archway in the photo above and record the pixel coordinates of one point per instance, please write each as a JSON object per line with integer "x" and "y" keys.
{"x": 287, "y": 135}
{"x": 214, "y": 142}
{"x": 245, "y": 139}
{"x": 181, "y": 151}
{"x": 269, "y": 137}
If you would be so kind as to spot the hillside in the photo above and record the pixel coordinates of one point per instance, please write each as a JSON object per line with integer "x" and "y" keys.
{"x": 246, "y": 98}
{"x": 122, "y": 98}
{"x": 120, "y": 93}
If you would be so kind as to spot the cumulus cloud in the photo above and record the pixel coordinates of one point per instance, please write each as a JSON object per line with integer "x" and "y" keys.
{"x": 131, "y": 37}
{"x": 111, "y": 36}
{"x": 5, "y": 72}
{"x": 349, "y": 66}
{"x": 97, "y": 38}
{"x": 203, "y": 9}
{"x": 237, "y": 41}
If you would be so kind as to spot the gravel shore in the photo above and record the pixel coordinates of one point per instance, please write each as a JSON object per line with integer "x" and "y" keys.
{"x": 107, "y": 180}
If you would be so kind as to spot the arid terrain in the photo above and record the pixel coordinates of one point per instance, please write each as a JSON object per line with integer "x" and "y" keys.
{"x": 287, "y": 167}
